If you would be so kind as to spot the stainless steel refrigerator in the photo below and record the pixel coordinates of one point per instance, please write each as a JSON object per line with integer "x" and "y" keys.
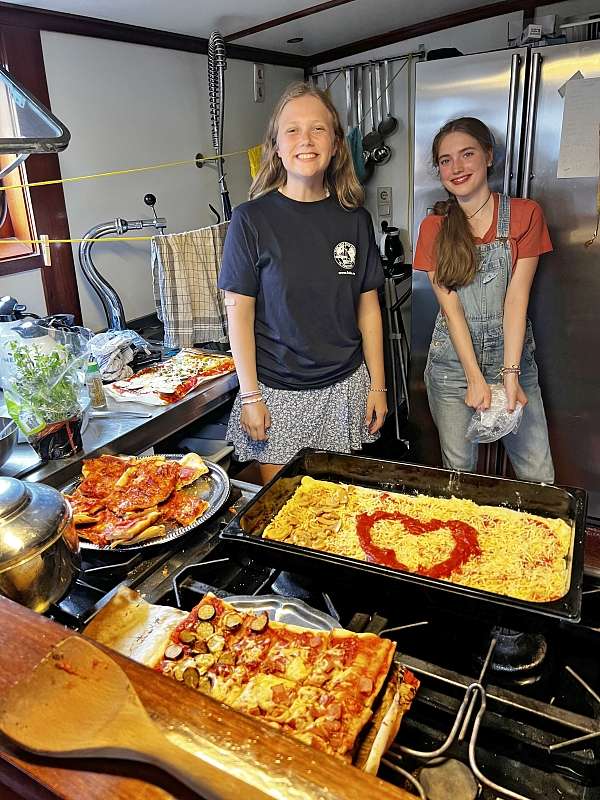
{"x": 516, "y": 93}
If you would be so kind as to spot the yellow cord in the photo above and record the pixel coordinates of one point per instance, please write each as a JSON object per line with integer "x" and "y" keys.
{"x": 78, "y": 241}
{"x": 123, "y": 171}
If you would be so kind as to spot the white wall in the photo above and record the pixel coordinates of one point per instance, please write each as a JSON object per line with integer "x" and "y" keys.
{"x": 27, "y": 288}
{"x": 485, "y": 35}
{"x": 131, "y": 105}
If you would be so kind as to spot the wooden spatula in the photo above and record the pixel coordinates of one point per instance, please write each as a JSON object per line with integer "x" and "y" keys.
{"x": 77, "y": 702}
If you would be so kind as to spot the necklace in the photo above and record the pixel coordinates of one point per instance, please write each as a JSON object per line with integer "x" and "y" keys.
{"x": 480, "y": 207}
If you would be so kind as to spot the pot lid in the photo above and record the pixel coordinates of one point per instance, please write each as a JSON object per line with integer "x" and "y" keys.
{"x": 31, "y": 517}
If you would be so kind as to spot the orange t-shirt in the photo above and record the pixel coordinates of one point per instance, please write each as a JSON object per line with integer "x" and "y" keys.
{"x": 528, "y": 234}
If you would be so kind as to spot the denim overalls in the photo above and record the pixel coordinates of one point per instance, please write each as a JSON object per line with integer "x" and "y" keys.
{"x": 483, "y": 306}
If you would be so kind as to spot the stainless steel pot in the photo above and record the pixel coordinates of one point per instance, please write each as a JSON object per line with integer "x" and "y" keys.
{"x": 39, "y": 549}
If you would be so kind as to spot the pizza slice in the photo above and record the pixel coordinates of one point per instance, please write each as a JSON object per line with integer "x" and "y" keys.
{"x": 86, "y": 510}
{"x": 191, "y": 467}
{"x": 100, "y": 475}
{"x": 144, "y": 484}
{"x": 183, "y": 508}
{"x": 394, "y": 702}
{"x": 294, "y": 651}
{"x": 112, "y": 530}
{"x": 268, "y": 697}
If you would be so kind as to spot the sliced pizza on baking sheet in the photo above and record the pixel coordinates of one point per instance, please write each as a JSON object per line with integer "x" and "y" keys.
{"x": 171, "y": 380}
{"x": 330, "y": 690}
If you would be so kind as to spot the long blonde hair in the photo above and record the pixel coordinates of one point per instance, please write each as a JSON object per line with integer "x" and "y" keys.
{"x": 340, "y": 177}
{"x": 456, "y": 256}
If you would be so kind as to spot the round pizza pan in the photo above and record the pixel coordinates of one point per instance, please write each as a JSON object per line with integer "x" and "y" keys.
{"x": 212, "y": 487}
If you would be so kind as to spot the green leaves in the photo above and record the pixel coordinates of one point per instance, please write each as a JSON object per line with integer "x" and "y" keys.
{"x": 43, "y": 387}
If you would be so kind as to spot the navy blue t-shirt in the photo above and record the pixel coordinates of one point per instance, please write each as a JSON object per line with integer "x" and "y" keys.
{"x": 307, "y": 265}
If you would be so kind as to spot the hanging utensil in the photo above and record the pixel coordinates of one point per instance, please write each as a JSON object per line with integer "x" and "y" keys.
{"x": 388, "y": 124}
{"x": 349, "y": 109}
{"x": 591, "y": 241}
{"x": 373, "y": 138}
{"x": 359, "y": 98}
{"x": 381, "y": 153}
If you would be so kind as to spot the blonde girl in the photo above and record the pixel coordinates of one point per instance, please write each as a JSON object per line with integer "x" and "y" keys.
{"x": 301, "y": 272}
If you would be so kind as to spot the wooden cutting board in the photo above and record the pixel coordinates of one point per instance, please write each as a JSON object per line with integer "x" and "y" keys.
{"x": 256, "y": 754}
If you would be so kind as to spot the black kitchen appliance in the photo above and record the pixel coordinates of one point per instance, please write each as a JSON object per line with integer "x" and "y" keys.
{"x": 11, "y": 310}
{"x": 391, "y": 249}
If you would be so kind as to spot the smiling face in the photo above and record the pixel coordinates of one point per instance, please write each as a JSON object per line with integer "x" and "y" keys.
{"x": 306, "y": 140}
{"x": 463, "y": 164}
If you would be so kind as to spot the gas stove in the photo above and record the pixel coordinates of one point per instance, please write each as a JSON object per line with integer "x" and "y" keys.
{"x": 500, "y": 713}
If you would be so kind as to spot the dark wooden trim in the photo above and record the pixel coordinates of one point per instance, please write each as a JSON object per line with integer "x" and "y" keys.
{"x": 23, "y": 48}
{"x": 422, "y": 28}
{"x": 40, "y": 19}
{"x": 274, "y": 23}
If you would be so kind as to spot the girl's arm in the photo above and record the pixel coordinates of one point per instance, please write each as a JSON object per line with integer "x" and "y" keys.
{"x": 478, "y": 394}
{"x": 370, "y": 326}
{"x": 515, "y": 321}
{"x": 255, "y": 418}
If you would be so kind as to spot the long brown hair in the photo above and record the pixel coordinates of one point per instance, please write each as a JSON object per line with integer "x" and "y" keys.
{"x": 340, "y": 177}
{"x": 456, "y": 256}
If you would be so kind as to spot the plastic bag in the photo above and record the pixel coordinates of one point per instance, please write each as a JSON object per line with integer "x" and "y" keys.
{"x": 496, "y": 421}
{"x": 114, "y": 351}
{"x": 43, "y": 371}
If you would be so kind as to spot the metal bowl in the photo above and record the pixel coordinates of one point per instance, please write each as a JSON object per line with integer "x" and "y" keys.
{"x": 8, "y": 438}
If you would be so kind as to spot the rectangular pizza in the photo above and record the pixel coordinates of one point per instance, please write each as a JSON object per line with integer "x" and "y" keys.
{"x": 171, "y": 380}
{"x": 337, "y": 691}
{"x": 493, "y": 548}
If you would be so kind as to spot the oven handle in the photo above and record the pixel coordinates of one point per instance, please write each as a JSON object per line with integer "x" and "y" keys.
{"x": 534, "y": 81}
{"x": 515, "y": 63}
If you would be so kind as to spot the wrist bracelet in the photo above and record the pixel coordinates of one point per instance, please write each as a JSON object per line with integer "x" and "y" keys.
{"x": 249, "y": 394}
{"x": 510, "y": 371}
{"x": 250, "y": 401}
{"x": 377, "y": 390}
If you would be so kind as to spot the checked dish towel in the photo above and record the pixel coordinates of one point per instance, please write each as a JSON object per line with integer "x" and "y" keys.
{"x": 185, "y": 269}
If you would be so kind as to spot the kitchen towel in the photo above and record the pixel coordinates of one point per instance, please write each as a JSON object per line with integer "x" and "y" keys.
{"x": 185, "y": 268}
{"x": 355, "y": 146}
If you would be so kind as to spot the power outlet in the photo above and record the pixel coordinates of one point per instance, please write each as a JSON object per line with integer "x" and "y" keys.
{"x": 384, "y": 204}
{"x": 259, "y": 83}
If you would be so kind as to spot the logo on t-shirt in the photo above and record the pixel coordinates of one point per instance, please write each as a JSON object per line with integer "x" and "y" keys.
{"x": 345, "y": 257}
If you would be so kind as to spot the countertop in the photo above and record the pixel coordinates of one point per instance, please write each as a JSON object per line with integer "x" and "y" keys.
{"x": 129, "y": 435}
{"x": 267, "y": 763}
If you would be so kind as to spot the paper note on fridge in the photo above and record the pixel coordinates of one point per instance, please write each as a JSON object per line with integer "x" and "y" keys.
{"x": 579, "y": 142}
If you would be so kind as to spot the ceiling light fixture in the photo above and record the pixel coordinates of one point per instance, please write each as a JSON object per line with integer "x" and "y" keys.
{"x": 295, "y": 39}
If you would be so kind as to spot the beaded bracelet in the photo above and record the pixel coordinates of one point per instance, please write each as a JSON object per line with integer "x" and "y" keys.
{"x": 249, "y": 402}
{"x": 377, "y": 390}
{"x": 510, "y": 370}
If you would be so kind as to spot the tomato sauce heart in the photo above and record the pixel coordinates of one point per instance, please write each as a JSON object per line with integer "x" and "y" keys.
{"x": 466, "y": 542}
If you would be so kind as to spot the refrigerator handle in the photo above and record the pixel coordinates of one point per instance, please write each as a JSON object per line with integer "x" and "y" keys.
{"x": 534, "y": 81}
{"x": 511, "y": 121}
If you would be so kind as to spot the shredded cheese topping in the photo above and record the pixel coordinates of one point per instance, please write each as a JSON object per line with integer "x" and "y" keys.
{"x": 521, "y": 555}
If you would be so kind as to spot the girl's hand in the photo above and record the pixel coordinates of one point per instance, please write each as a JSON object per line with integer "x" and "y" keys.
{"x": 376, "y": 411}
{"x": 256, "y": 420}
{"x": 478, "y": 395}
{"x": 514, "y": 391}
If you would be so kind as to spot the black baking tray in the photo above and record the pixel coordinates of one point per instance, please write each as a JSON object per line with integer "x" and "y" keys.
{"x": 565, "y": 503}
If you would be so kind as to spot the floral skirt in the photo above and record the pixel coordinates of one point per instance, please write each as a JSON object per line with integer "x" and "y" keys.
{"x": 332, "y": 418}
